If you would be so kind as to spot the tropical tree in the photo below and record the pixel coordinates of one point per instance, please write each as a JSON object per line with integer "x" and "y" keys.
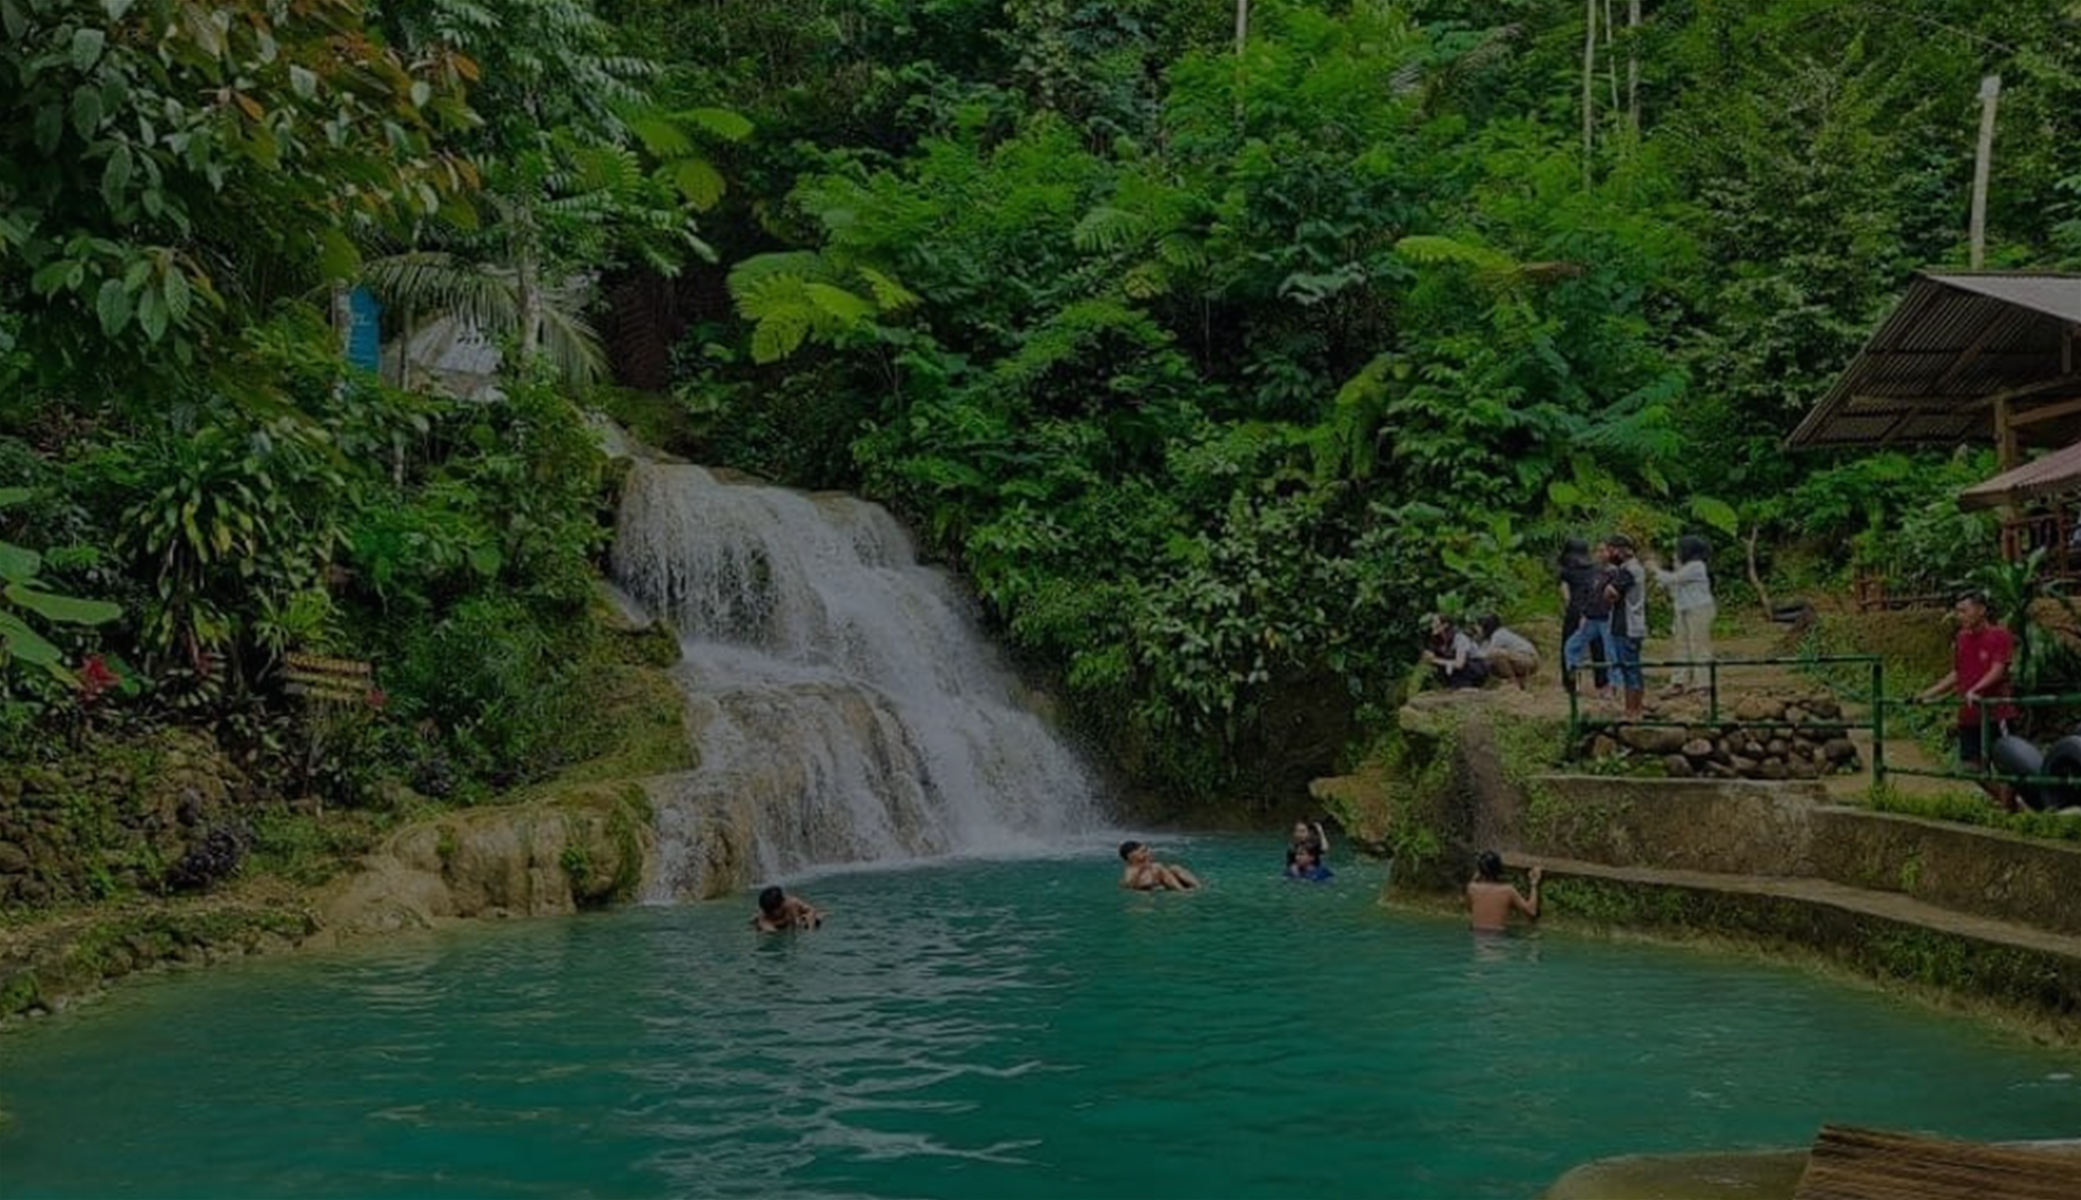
{"x": 168, "y": 168}
{"x": 565, "y": 122}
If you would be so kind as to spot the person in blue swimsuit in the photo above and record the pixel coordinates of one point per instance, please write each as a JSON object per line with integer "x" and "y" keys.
{"x": 1302, "y": 864}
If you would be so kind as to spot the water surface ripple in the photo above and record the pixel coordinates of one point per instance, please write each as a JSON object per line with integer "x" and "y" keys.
{"x": 980, "y": 1029}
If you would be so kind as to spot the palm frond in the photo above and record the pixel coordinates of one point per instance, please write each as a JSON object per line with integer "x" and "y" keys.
{"x": 432, "y": 281}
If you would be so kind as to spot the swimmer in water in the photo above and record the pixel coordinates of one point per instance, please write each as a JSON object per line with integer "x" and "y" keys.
{"x": 1143, "y": 873}
{"x": 1302, "y": 863}
{"x": 1489, "y": 899}
{"x": 780, "y": 912}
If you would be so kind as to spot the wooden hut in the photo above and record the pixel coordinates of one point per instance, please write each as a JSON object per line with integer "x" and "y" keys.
{"x": 1987, "y": 357}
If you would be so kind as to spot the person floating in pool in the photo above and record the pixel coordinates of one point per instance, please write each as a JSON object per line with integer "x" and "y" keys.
{"x": 1302, "y": 864}
{"x": 1144, "y": 874}
{"x": 1489, "y": 899}
{"x": 780, "y": 912}
{"x": 1309, "y": 834}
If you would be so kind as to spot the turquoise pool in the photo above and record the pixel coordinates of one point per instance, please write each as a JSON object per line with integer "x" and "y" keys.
{"x": 977, "y": 1029}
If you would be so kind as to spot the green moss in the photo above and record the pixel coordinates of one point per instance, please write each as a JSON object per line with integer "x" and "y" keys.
{"x": 577, "y": 864}
{"x": 654, "y": 419}
{"x": 635, "y": 727}
{"x": 626, "y": 823}
{"x": 1972, "y": 808}
{"x": 307, "y": 848}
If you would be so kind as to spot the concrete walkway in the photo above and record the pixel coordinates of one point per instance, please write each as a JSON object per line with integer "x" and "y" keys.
{"x": 1885, "y": 906}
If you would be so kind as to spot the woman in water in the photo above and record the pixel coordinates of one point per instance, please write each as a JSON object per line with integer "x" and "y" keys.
{"x": 1308, "y": 834}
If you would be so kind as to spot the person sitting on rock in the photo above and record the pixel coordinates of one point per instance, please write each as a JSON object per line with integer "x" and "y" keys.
{"x": 1454, "y": 655}
{"x": 1509, "y": 654}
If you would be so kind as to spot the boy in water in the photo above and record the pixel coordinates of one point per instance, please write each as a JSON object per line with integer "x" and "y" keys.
{"x": 780, "y": 912}
{"x": 1303, "y": 864}
{"x": 1489, "y": 899}
{"x": 1144, "y": 874}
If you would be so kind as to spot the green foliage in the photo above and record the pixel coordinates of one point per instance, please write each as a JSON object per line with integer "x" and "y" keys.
{"x": 23, "y": 595}
{"x": 1215, "y": 375}
{"x": 2018, "y": 596}
{"x": 167, "y": 167}
{"x": 1899, "y": 514}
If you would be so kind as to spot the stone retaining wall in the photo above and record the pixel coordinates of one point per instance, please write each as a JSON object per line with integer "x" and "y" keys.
{"x": 1978, "y": 871}
{"x": 1731, "y": 826}
{"x": 1756, "y": 828}
{"x": 2039, "y": 986}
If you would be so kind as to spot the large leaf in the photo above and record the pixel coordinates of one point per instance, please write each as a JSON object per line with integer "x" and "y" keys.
{"x": 699, "y": 181}
{"x": 720, "y": 122}
{"x": 22, "y": 642}
{"x": 19, "y": 563}
{"x": 846, "y": 307}
{"x": 70, "y": 610}
{"x": 1716, "y": 513}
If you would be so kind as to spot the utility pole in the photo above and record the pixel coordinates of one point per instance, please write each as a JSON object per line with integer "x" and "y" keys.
{"x": 1242, "y": 25}
{"x": 1990, "y": 95}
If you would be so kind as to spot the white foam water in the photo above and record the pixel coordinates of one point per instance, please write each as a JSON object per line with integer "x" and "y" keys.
{"x": 843, "y": 700}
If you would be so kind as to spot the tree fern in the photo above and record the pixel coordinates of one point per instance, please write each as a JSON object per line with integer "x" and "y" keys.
{"x": 1106, "y": 230}
{"x": 795, "y": 296}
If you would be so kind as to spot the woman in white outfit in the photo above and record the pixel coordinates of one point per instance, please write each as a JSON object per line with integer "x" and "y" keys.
{"x": 1690, "y": 593}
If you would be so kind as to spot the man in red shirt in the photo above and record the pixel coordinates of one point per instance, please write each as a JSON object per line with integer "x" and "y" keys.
{"x": 1979, "y": 672}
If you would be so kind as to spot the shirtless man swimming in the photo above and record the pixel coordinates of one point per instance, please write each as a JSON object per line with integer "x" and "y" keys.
{"x": 1144, "y": 874}
{"x": 1489, "y": 899}
{"x": 779, "y": 912}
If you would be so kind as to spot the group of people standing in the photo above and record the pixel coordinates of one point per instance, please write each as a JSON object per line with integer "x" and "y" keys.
{"x": 1604, "y": 616}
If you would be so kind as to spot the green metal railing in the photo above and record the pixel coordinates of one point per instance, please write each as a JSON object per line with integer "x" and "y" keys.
{"x": 1880, "y": 704}
{"x": 1987, "y": 739}
{"x": 1579, "y": 723}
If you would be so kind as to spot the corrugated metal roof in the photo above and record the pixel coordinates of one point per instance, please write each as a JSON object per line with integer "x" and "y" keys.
{"x": 1930, "y": 372}
{"x": 2059, "y": 471}
{"x": 2058, "y": 295}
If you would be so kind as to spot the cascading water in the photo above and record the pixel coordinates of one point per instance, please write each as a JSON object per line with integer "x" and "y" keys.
{"x": 844, "y": 704}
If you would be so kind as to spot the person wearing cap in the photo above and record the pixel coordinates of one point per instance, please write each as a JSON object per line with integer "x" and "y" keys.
{"x": 1490, "y": 900}
{"x": 1980, "y": 660}
{"x": 1626, "y": 587}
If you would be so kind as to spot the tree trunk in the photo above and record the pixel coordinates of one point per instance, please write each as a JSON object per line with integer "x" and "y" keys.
{"x": 342, "y": 317}
{"x": 1756, "y": 576}
{"x": 1633, "y": 68}
{"x": 1611, "y": 46}
{"x": 1589, "y": 91}
{"x": 1983, "y": 157}
{"x": 527, "y": 270}
{"x": 1242, "y": 25}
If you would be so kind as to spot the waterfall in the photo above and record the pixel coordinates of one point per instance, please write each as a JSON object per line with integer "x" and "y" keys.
{"x": 843, "y": 702}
